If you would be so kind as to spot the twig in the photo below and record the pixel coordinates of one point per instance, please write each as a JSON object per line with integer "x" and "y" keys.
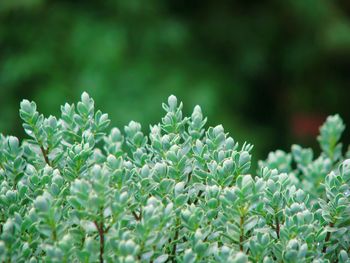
{"x": 101, "y": 233}
{"x": 277, "y": 227}
{"x": 328, "y": 237}
{"x": 137, "y": 217}
{"x": 198, "y": 196}
{"x": 241, "y": 237}
{"x": 44, "y": 152}
{"x": 176, "y": 237}
{"x": 188, "y": 179}
{"x": 54, "y": 234}
{"x": 175, "y": 242}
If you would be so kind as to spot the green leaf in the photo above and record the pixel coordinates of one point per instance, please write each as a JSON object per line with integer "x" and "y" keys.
{"x": 240, "y": 258}
{"x": 250, "y": 223}
{"x": 189, "y": 256}
{"x": 330, "y": 133}
{"x": 161, "y": 258}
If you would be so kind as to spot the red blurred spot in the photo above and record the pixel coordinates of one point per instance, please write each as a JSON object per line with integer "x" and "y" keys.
{"x": 306, "y": 124}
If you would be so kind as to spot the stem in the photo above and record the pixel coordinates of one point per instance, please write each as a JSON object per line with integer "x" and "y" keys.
{"x": 44, "y": 152}
{"x": 107, "y": 228}
{"x": 229, "y": 238}
{"x": 2, "y": 220}
{"x": 188, "y": 179}
{"x": 328, "y": 237}
{"x": 137, "y": 217}
{"x": 36, "y": 137}
{"x": 102, "y": 238}
{"x": 277, "y": 227}
{"x": 176, "y": 237}
{"x": 52, "y": 224}
{"x": 241, "y": 237}
{"x": 174, "y": 246}
{"x": 54, "y": 234}
{"x": 198, "y": 196}
{"x": 82, "y": 242}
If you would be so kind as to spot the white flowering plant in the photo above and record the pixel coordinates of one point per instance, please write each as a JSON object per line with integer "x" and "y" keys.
{"x": 72, "y": 192}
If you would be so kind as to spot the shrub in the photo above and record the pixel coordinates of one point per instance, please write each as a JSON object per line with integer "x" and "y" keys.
{"x": 72, "y": 193}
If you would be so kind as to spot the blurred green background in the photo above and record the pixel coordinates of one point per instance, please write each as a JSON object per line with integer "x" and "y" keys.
{"x": 269, "y": 71}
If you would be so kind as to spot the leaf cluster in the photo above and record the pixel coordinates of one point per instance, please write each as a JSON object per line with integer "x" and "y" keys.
{"x": 72, "y": 192}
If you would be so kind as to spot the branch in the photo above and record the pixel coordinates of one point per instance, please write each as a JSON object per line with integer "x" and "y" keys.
{"x": 198, "y": 196}
{"x": 44, "y": 152}
{"x": 188, "y": 179}
{"x": 277, "y": 227}
{"x": 102, "y": 238}
{"x": 176, "y": 237}
{"x": 328, "y": 237}
{"x": 137, "y": 217}
{"x": 241, "y": 237}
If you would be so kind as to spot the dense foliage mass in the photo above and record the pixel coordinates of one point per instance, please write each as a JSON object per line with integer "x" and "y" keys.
{"x": 72, "y": 193}
{"x": 223, "y": 55}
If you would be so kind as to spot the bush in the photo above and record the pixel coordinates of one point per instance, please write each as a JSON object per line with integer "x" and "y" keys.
{"x": 71, "y": 193}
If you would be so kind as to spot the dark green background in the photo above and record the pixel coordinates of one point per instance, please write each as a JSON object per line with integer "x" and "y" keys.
{"x": 252, "y": 65}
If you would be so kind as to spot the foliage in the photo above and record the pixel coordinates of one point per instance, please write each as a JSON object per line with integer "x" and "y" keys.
{"x": 224, "y": 55}
{"x": 72, "y": 192}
